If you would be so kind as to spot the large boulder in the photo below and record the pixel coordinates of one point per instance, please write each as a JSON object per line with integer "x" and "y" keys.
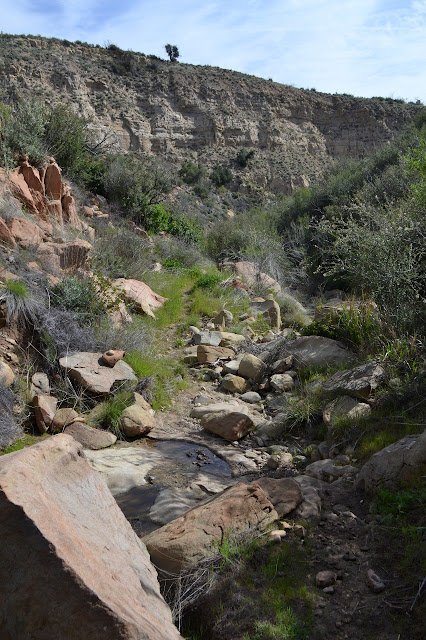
{"x": 217, "y": 407}
{"x": 68, "y": 540}
{"x": 269, "y": 310}
{"x": 89, "y": 370}
{"x": 138, "y": 419}
{"x": 138, "y": 294}
{"x": 90, "y": 438}
{"x": 402, "y": 462}
{"x": 358, "y": 382}
{"x": 284, "y": 493}
{"x": 210, "y": 338}
{"x": 186, "y": 541}
{"x": 316, "y": 351}
{"x": 256, "y": 278}
{"x": 251, "y": 367}
{"x": 66, "y": 256}
{"x": 228, "y": 424}
{"x": 235, "y": 384}
{"x": 25, "y": 233}
{"x": 211, "y": 354}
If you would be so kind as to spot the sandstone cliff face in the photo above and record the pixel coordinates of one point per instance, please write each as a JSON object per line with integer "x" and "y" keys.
{"x": 181, "y": 111}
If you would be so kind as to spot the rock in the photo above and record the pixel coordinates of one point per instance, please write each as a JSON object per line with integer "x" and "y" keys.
{"x": 5, "y": 235}
{"x": 66, "y": 256}
{"x": 282, "y": 365}
{"x": 25, "y": 233}
{"x": 223, "y": 319}
{"x": 373, "y": 581}
{"x": 211, "y": 354}
{"x": 62, "y": 418}
{"x": 7, "y": 377}
{"x": 276, "y": 536}
{"x": 284, "y": 493}
{"x": 269, "y": 310}
{"x": 90, "y": 438}
{"x": 324, "y": 449}
{"x": 138, "y": 294}
{"x": 326, "y": 469}
{"x": 190, "y": 355}
{"x": 89, "y": 370}
{"x": 251, "y": 367}
{"x": 184, "y": 542}
{"x": 255, "y": 278}
{"x": 44, "y": 410}
{"x": 69, "y": 210}
{"x": 231, "y": 367}
{"x": 277, "y": 404}
{"x": 210, "y": 338}
{"x": 137, "y": 420}
{"x": 234, "y": 384}
{"x": 325, "y": 579}
{"x": 316, "y": 351}
{"x": 39, "y": 384}
{"x": 251, "y": 397}
{"x": 358, "y": 382}
{"x": 171, "y": 503}
{"x": 218, "y": 407}
{"x": 230, "y": 425}
{"x": 310, "y": 508}
{"x": 112, "y": 356}
{"x": 344, "y": 407}
{"x": 53, "y": 181}
{"x": 401, "y": 462}
{"x": 282, "y": 382}
{"x": 228, "y": 339}
{"x": 80, "y": 552}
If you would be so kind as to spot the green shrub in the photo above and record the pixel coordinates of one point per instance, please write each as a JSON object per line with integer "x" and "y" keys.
{"x": 22, "y": 131}
{"x": 221, "y": 176}
{"x": 244, "y": 156}
{"x": 82, "y": 297}
{"x": 107, "y": 415}
{"x": 21, "y": 306}
{"x": 192, "y": 173}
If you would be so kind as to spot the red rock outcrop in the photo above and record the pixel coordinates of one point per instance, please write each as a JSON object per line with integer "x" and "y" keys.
{"x": 70, "y": 564}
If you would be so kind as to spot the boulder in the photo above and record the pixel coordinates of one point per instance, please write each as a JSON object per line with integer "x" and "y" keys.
{"x": 210, "y": 338}
{"x": 231, "y": 367}
{"x": 62, "y": 418}
{"x": 44, "y": 411}
{"x": 211, "y": 354}
{"x": 137, "y": 420}
{"x": 230, "y": 425}
{"x": 139, "y": 295}
{"x": 344, "y": 407}
{"x": 5, "y": 235}
{"x": 234, "y": 384}
{"x": 53, "y": 181}
{"x": 255, "y": 278}
{"x": 66, "y": 256}
{"x": 39, "y": 384}
{"x": 90, "y": 438}
{"x": 316, "y": 351}
{"x": 25, "y": 233}
{"x": 187, "y": 540}
{"x": 251, "y": 397}
{"x": 282, "y": 382}
{"x": 228, "y": 339}
{"x": 223, "y": 319}
{"x": 282, "y": 365}
{"x": 269, "y": 310}
{"x": 401, "y": 462}
{"x": 284, "y": 493}
{"x": 310, "y": 508}
{"x": 89, "y": 370}
{"x": 7, "y": 376}
{"x": 251, "y": 367}
{"x": 358, "y": 382}
{"x": 328, "y": 470}
{"x": 68, "y": 540}
{"x": 217, "y": 407}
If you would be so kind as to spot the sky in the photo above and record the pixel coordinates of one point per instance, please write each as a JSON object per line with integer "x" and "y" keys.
{"x": 361, "y": 47}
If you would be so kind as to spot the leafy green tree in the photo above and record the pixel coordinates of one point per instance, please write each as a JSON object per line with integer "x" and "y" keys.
{"x": 172, "y": 51}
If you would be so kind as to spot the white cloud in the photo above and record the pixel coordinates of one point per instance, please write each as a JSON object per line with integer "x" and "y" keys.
{"x": 363, "y": 47}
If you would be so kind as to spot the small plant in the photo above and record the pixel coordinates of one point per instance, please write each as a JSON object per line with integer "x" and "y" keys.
{"x": 83, "y": 297}
{"x": 20, "y": 304}
{"x": 107, "y": 415}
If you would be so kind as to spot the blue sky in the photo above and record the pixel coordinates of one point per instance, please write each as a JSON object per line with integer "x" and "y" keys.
{"x": 363, "y": 47}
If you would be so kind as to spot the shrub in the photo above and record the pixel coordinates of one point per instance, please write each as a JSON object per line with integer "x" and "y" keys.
{"x": 221, "y": 176}
{"x": 82, "y": 297}
{"x": 107, "y": 415}
{"x": 121, "y": 253}
{"x": 192, "y": 173}
{"x": 243, "y": 157}
{"x": 21, "y": 306}
{"x": 23, "y": 126}
{"x": 10, "y": 430}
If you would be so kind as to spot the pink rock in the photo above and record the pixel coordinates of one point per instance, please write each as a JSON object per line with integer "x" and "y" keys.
{"x": 70, "y": 211}
{"x": 54, "y": 209}
{"x": 112, "y": 356}
{"x": 139, "y": 294}
{"x": 87, "y": 212}
{"x": 26, "y": 233}
{"x": 53, "y": 181}
{"x": 5, "y": 235}
{"x": 44, "y": 409}
{"x": 21, "y": 191}
{"x": 80, "y": 553}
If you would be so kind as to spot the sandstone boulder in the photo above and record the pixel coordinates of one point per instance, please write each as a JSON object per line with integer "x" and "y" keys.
{"x": 186, "y": 541}
{"x": 25, "y": 233}
{"x": 228, "y": 339}
{"x": 327, "y": 470}
{"x": 89, "y": 370}
{"x": 90, "y": 438}
{"x": 359, "y": 382}
{"x": 137, "y": 420}
{"x": 235, "y": 384}
{"x": 284, "y": 493}
{"x": 68, "y": 540}
{"x": 211, "y": 354}
{"x": 229, "y": 425}
{"x": 256, "y": 278}
{"x": 223, "y": 319}
{"x": 269, "y": 310}
{"x": 39, "y": 384}
{"x": 217, "y": 407}
{"x": 401, "y": 462}
{"x": 67, "y": 256}
{"x": 7, "y": 376}
{"x": 210, "y": 338}
{"x": 282, "y": 382}
{"x": 344, "y": 407}
{"x": 62, "y": 418}
{"x": 138, "y": 294}
{"x": 5, "y": 235}
{"x": 250, "y": 367}
{"x": 44, "y": 411}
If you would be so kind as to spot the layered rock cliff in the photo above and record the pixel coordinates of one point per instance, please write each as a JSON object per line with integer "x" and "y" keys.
{"x": 206, "y": 114}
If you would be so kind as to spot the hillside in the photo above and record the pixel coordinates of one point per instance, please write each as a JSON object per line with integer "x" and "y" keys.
{"x": 180, "y": 111}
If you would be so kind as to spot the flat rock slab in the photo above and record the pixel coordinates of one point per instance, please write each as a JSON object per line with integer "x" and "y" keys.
{"x": 358, "y": 382}
{"x": 124, "y": 468}
{"x": 90, "y": 438}
{"x": 186, "y": 541}
{"x": 68, "y": 540}
{"x": 89, "y": 370}
{"x": 140, "y": 295}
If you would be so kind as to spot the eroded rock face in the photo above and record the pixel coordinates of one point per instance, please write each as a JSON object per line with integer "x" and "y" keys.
{"x": 194, "y": 536}
{"x": 80, "y": 553}
{"x": 89, "y": 370}
{"x": 403, "y": 461}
